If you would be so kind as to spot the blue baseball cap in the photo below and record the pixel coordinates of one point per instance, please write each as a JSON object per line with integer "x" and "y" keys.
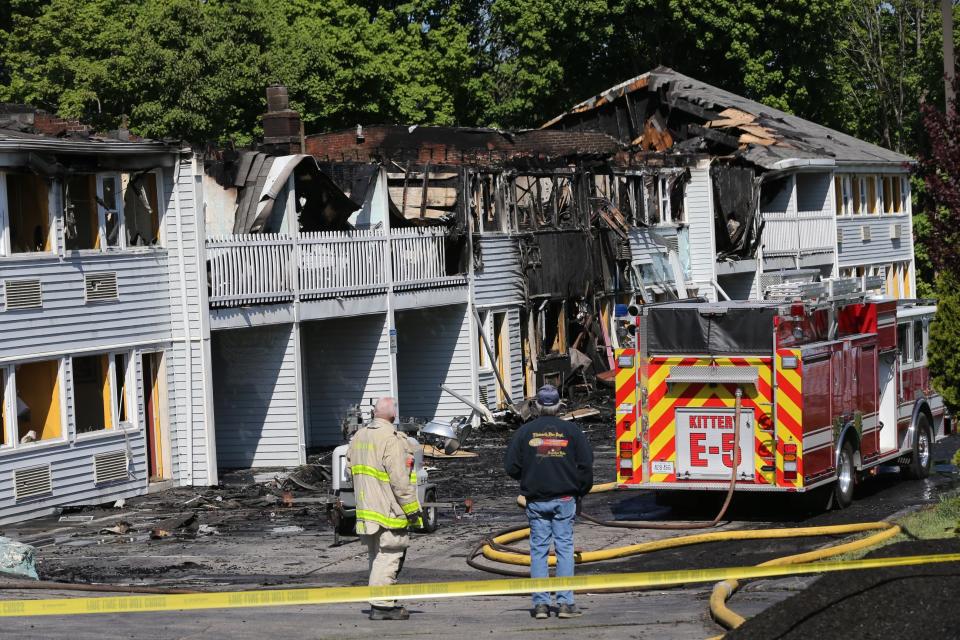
{"x": 548, "y": 396}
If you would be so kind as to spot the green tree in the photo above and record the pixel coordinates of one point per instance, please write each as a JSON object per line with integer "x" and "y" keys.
{"x": 541, "y": 56}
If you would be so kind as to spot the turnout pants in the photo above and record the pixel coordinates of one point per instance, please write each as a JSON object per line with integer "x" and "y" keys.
{"x": 387, "y": 549}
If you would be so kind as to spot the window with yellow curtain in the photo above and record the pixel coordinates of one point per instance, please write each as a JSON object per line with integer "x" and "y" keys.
{"x": 92, "y": 393}
{"x": 38, "y": 406}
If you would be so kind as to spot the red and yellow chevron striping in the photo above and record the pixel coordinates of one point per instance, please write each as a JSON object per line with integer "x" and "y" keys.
{"x": 665, "y": 399}
{"x": 629, "y": 450}
{"x": 789, "y": 416}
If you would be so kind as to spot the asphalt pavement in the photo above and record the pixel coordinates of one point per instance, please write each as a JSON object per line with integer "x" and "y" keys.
{"x": 247, "y": 559}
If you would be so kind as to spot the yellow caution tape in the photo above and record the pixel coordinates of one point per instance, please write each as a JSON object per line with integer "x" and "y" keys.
{"x": 431, "y": 590}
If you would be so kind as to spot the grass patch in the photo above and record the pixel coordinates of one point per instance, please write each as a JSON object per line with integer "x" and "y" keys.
{"x": 941, "y": 520}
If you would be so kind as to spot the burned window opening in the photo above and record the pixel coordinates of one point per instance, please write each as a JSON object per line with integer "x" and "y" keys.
{"x": 28, "y": 210}
{"x": 735, "y": 210}
{"x": 81, "y": 221}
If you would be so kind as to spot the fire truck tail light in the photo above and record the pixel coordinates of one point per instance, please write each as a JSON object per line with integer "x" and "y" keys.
{"x": 790, "y": 469}
{"x": 626, "y": 458}
{"x": 789, "y": 362}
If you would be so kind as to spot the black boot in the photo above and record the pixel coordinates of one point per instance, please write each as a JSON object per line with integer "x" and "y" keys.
{"x": 389, "y": 613}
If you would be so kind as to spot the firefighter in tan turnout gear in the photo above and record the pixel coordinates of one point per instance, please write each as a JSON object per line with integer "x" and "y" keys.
{"x": 381, "y": 461}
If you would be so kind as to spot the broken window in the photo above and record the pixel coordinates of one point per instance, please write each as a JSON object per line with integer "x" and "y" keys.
{"x": 664, "y": 195}
{"x": 564, "y": 203}
{"x": 4, "y": 422}
{"x": 483, "y": 361}
{"x": 81, "y": 213}
{"x": 27, "y": 212}
{"x": 534, "y": 197}
{"x": 122, "y": 374}
{"x": 141, "y": 209}
{"x": 39, "y": 415}
{"x": 111, "y": 216}
{"x": 92, "y": 393}
{"x": 872, "y": 193}
{"x": 887, "y": 183}
{"x": 552, "y": 327}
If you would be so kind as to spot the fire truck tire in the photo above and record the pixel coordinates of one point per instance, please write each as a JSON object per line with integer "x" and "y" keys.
{"x": 846, "y": 477}
{"x": 922, "y": 458}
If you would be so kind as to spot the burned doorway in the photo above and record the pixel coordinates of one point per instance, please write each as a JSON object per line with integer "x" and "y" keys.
{"x": 153, "y": 370}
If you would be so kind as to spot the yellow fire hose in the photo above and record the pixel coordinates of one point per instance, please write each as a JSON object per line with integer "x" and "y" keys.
{"x": 494, "y": 550}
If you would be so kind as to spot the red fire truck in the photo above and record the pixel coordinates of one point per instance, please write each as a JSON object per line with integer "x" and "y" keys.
{"x": 831, "y": 382}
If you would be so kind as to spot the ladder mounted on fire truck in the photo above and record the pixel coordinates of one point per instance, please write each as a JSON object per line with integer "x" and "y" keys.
{"x": 827, "y": 291}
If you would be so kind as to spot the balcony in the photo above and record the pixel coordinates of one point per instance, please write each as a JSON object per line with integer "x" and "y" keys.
{"x": 790, "y": 233}
{"x": 261, "y": 269}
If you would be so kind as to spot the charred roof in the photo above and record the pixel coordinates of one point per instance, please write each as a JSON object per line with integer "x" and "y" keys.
{"x": 460, "y": 145}
{"x": 665, "y": 110}
{"x": 24, "y": 128}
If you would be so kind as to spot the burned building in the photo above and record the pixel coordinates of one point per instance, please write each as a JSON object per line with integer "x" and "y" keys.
{"x": 169, "y": 313}
{"x": 100, "y": 326}
{"x": 789, "y": 198}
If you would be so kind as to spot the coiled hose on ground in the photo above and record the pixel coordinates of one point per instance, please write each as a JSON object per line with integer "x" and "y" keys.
{"x": 496, "y": 548}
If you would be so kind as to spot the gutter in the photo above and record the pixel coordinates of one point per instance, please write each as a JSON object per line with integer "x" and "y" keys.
{"x": 88, "y": 148}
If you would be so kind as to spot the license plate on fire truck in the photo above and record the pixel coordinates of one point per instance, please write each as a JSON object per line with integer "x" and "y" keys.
{"x": 705, "y": 443}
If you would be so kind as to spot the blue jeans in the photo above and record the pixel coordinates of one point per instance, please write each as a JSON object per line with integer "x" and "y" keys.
{"x": 551, "y": 520}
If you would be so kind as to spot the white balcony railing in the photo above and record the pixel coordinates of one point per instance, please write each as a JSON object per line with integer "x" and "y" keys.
{"x": 269, "y": 268}
{"x": 333, "y": 263}
{"x": 250, "y": 269}
{"x": 791, "y": 233}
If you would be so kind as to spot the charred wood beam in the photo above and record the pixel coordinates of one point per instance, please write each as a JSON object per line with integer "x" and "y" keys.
{"x": 688, "y": 107}
{"x": 714, "y": 136}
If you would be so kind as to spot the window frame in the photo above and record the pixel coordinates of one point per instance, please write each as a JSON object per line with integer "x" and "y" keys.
{"x": 117, "y": 426}
{"x": 905, "y": 351}
{"x": 101, "y": 232}
{"x": 53, "y": 237}
{"x": 13, "y": 425}
{"x": 102, "y": 212}
{"x": 8, "y": 408}
{"x": 919, "y": 323}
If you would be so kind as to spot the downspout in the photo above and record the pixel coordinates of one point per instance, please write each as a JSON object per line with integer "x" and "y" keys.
{"x": 188, "y": 357}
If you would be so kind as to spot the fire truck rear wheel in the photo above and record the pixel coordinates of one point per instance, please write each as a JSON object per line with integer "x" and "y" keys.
{"x": 922, "y": 458}
{"x": 846, "y": 477}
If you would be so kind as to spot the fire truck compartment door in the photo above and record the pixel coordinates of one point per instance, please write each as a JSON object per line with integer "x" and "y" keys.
{"x": 705, "y": 443}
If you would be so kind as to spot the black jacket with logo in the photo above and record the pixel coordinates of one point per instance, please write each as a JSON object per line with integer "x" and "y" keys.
{"x": 551, "y": 458}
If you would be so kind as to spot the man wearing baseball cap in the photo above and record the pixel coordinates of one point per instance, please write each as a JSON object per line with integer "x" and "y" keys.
{"x": 554, "y": 464}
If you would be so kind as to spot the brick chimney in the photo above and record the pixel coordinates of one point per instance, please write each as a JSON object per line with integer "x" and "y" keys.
{"x": 282, "y": 129}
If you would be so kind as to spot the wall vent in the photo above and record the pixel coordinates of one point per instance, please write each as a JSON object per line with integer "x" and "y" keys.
{"x": 35, "y": 481}
{"x": 22, "y": 294}
{"x": 110, "y": 466}
{"x": 895, "y": 231}
{"x": 484, "y": 400}
{"x": 100, "y": 287}
{"x": 865, "y": 233}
